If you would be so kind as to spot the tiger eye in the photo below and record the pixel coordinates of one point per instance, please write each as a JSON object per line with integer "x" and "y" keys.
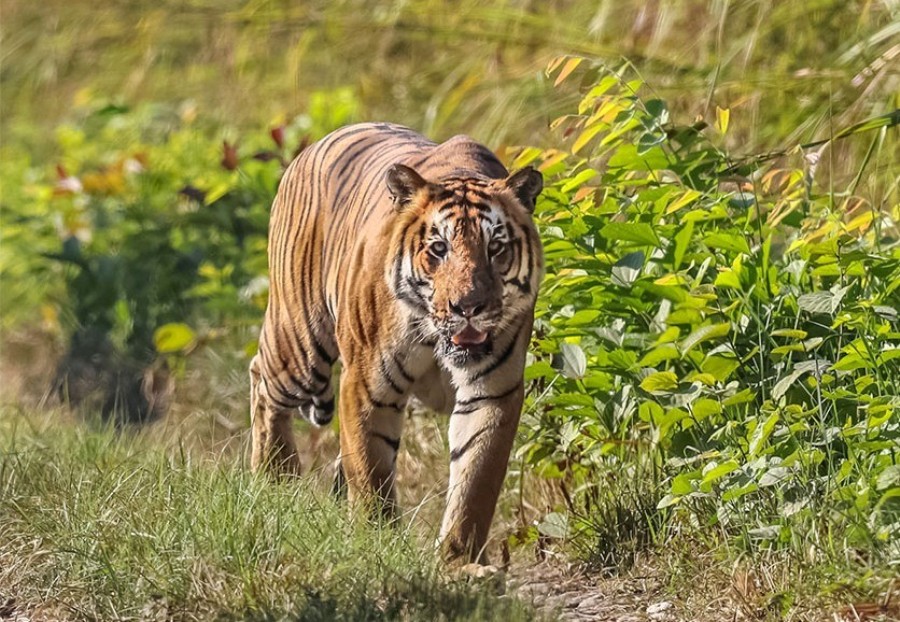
{"x": 438, "y": 248}
{"x": 496, "y": 247}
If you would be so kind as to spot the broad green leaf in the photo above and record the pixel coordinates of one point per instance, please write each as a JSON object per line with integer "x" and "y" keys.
{"x": 638, "y": 232}
{"x": 682, "y": 485}
{"x": 628, "y": 269}
{"x": 660, "y": 381}
{"x": 554, "y": 525}
{"x": 628, "y": 158}
{"x": 816, "y": 366}
{"x": 664, "y": 352}
{"x": 790, "y": 332}
{"x": 574, "y": 362}
{"x": 585, "y": 137}
{"x": 762, "y": 433}
{"x": 850, "y": 362}
{"x": 579, "y": 179}
{"x": 719, "y": 471}
{"x": 728, "y": 242}
{"x": 889, "y": 477}
{"x": 682, "y": 240}
{"x": 705, "y": 333}
{"x": 583, "y": 317}
{"x": 668, "y": 501}
{"x": 720, "y": 366}
{"x": 687, "y": 197}
{"x": 704, "y": 407}
{"x": 173, "y": 337}
{"x": 819, "y": 302}
{"x": 774, "y": 475}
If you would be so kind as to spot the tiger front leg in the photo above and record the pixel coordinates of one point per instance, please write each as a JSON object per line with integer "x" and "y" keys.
{"x": 274, "y": 448}
{"x": 371, "y": 425}
{"x": 481, "y": 438}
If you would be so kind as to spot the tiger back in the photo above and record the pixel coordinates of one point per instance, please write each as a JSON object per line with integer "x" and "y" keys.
{"x": 417, "y": 265}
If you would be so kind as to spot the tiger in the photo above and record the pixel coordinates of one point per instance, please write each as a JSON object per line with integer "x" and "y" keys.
{"x": 417, "y": 265}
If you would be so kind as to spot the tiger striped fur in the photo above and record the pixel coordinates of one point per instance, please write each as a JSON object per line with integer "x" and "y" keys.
{"x": 417, "y": 265}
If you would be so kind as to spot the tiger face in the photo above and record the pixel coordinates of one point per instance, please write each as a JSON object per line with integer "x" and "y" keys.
{"x": 469, "y": 263}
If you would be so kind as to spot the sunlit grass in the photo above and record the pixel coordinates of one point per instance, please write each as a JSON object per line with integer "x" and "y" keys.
{"x": 99, "y": 525}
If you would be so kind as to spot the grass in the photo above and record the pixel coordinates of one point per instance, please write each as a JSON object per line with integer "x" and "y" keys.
{"x": 791, "y": 72}
{"x": 104, "y": 525}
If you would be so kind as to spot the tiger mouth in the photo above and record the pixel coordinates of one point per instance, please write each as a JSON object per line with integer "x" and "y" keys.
{"x": 467, "y": 346}
{"x": 469, "y": 337}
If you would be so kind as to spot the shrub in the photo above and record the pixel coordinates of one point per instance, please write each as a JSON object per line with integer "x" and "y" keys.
{"x": 727, "y": 326}
{"x": 151, "y": 235}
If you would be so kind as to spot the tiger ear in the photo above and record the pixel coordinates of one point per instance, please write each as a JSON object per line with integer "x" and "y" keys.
{"x": 403, "y": 183}
{"x": 526, "y": 184}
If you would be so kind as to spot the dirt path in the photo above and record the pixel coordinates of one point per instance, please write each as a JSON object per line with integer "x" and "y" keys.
{"x": 565, "y": 593}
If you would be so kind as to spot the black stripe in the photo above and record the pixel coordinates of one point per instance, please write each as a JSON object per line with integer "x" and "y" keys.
{"x": 321, "y": 351}
{"x": 482, "y": 398}
{"x": 393, "y": 443}
{"x": 375, "y": 402}
{"x": 500, "y": 360}
{"x": 282, "y": 404}
{"x": 318, "y": 376}
{"x": 327, "y": 406}
{"x": 401, "y": 369}
{"x": 459, "y": 452}
{"x": 386, "y": 374}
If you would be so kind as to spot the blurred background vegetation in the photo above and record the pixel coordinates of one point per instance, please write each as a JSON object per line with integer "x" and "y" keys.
{"x": 719, "y": 319}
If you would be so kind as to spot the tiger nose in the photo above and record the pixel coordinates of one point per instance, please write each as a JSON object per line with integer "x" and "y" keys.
{"x": 466, "y": 308}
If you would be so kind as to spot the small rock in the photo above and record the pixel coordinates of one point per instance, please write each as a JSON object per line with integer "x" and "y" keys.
{"x": 592, "y": 601}
{"x": 661, "y": 611}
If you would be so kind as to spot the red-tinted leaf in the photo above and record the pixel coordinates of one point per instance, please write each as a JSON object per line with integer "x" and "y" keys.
{"x": 230, "y": 156}
{"x": 277, "y": 134}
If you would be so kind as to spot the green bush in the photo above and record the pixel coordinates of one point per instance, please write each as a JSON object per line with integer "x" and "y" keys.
{"x": 727, "y": 327}
{"x": 149, "y": 236}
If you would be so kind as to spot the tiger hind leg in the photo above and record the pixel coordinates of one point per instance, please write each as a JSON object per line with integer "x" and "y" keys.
{"x": 274, "y": 447}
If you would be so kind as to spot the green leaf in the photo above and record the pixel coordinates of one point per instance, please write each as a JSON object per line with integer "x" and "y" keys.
{"x": 762, "y": 433}
{"x": 682, "y": 240}
{"x": 717, "y": 472}
{"x": 664, "y": 352}
{"x": 888, "y": 478}
{"x": 583, "y": 317}
{"x": 660, "y": 381}
{"x": 174, "y": 337}
{"x": 850, "y": 362}
{"x": 819, "y": 302}
{"x": 823, "y": 302}
{"x": 668, "y": 501}
{"x": 781, "y": 387}
{"x": 574, "y": 363}
{"x": 638, "y": 232}
{"x": 579, "y": 179}
{"x": 741, "y": 397}
{"x": 704, "y": 333}
{"x": 554, "y": 525}
{"x": 790, "y": 332}
{"x": 728, "y": 242}
{"x": 704, "y": 407}
{"x": 719, "y": 366}
{"x": 628, "y": 157}
{"x": 681, "y": 485}
{"x": 774, "y": 475}
{"x": 628, "y": 269}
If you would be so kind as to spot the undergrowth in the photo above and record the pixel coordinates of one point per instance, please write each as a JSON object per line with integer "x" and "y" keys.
{"x": 719, "y": 340}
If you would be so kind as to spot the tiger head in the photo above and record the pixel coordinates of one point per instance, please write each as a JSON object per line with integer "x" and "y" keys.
{"x": 467, "y": 259}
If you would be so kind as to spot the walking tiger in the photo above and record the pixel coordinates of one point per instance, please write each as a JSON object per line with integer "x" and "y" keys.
{"x": 417, "y": 265}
